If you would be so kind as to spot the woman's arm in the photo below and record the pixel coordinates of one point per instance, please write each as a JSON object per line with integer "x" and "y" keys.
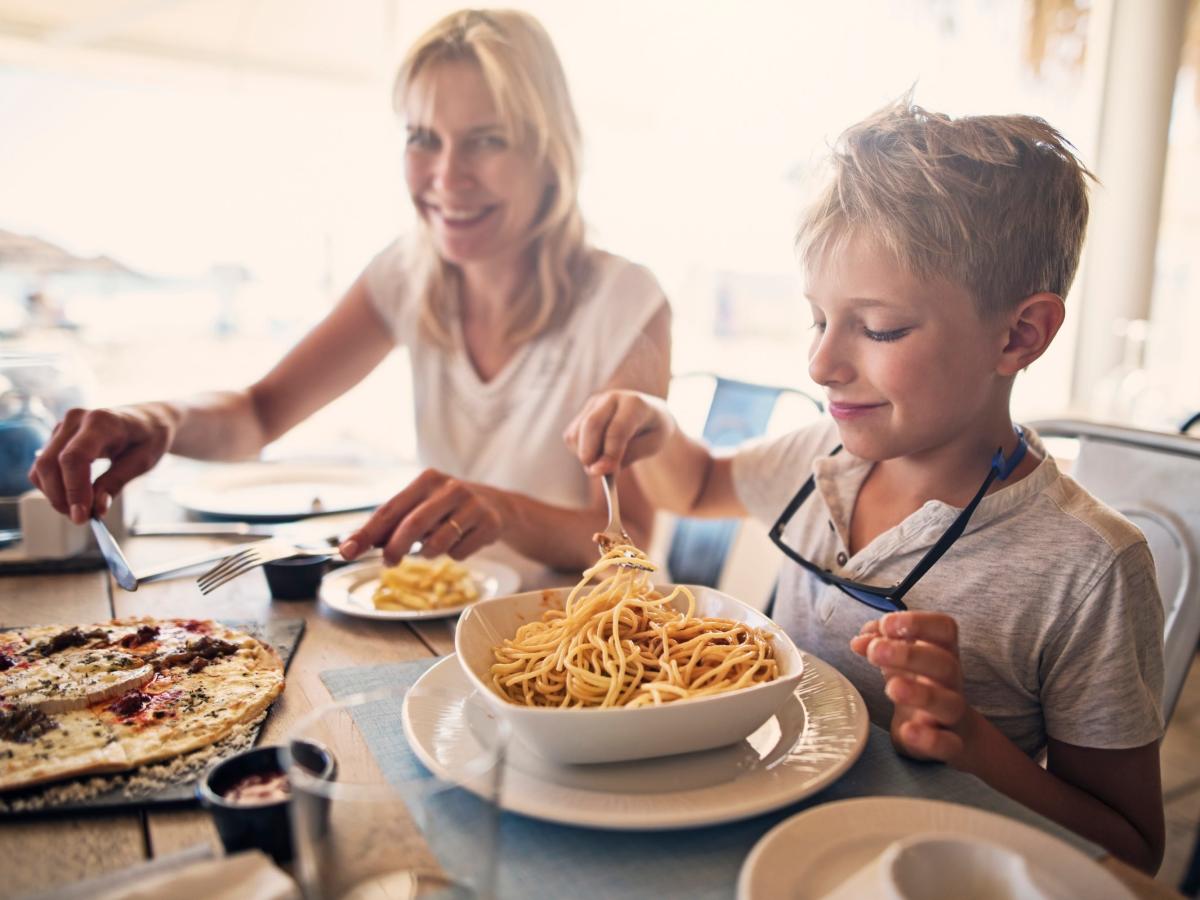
{"x": 451, "y": 516}
{"x": 338, "y": 353}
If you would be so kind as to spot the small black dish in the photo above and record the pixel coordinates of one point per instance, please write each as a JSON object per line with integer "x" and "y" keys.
{"x": 263, "y": 825}
{"x": 297, "y": 578}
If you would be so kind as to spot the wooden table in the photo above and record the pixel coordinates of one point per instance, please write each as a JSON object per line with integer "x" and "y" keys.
{"x": 41, "y": 853}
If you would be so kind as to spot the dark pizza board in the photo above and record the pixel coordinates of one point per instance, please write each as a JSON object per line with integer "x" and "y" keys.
{"x": 166, "y": 783}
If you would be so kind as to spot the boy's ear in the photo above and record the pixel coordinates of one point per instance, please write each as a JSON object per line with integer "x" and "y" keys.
{"x": 1031, "y": 328}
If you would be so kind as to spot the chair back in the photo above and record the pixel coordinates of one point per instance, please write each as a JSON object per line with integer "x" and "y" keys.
{"x": 1152, "y": 479}
{"x": 739, "y": 410}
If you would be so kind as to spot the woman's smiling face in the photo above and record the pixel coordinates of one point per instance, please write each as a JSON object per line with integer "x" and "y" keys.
{"x": 908, "y": 365}
{"x": 478, "y": 194}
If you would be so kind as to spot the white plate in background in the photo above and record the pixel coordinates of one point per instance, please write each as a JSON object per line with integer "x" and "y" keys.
{"x": 279, "y": 491}
{"x": 350, "y": 590}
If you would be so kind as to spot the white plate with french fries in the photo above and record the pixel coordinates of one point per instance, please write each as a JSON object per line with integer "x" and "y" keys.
{"x": 416, "y": 588}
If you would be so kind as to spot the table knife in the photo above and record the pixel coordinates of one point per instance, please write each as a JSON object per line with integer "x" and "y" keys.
{"x": 210, "y": 529}
{"x": 117, "y": 564}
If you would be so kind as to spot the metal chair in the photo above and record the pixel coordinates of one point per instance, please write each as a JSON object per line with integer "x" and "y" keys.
{"x": 739, "y": 410}
{"x": 1154, "y": 480}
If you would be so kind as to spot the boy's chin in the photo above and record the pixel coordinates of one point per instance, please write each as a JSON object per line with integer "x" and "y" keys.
{"x": 872, "y": 448}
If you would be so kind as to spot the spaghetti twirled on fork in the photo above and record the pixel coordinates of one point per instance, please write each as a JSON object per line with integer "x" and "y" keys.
{"x": 618, "y": 642}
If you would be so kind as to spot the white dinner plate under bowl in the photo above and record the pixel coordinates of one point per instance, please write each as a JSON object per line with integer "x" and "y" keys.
{"x": 816, "y": 851}
{"x": 351, "y": 590}
{"x": 268, "y": 491}
{"x": 814, "y": 738}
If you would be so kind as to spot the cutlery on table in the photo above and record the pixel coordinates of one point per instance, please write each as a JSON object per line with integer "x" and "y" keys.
{"x": 251, "y": 556}
{"x": 288, "y": 530}
{"x": 113, "y": 557}
{"x": 184, "y": 563}
{"x": 128, "y": 579}
{"x": 209, "y": 529}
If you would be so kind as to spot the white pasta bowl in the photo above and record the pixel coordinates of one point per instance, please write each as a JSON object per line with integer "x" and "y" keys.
{"x": 595, "y": 735}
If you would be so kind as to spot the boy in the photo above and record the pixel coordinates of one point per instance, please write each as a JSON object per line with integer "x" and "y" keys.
{"x": 936, "y": 261}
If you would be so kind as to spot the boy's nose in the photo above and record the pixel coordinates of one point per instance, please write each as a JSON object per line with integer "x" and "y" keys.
{"x": 827, "y": 362}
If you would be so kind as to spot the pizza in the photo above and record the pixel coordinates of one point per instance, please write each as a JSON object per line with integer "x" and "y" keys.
{"x": 89, "y": 699}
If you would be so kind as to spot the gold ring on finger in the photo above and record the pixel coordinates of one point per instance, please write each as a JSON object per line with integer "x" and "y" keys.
{"x": 456, "y": 527}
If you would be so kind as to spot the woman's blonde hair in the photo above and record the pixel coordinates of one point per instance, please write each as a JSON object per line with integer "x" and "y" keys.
{"x": 996, "y": 204}
{"x": 523, "y": 72}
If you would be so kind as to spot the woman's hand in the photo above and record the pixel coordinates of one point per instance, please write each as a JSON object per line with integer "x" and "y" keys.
{"x": 918, "y": 655}
{"x": 442, "y": 513}
{"x": 134, "y": 438}
{"x": 616, "y": 428}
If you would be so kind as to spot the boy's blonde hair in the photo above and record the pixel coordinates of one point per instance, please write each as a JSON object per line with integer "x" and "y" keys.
{"x": 523, "y": 72}
{"x": 996, "y": 204}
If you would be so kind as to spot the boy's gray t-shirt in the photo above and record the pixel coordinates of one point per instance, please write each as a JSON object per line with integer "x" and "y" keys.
{"x": 1060, "y": 619}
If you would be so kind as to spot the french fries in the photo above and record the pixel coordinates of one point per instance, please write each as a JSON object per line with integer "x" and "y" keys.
{"x": 417, "y": 583}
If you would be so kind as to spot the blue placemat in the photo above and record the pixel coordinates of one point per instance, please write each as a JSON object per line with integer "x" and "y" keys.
{"x": 542, "y": 859}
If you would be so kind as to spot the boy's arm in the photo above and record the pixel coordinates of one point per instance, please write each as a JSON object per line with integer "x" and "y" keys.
{"x": 1112, "y": 797}
{"x": 675, "y": 472}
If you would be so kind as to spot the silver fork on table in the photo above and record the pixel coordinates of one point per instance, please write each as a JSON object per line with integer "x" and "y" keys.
{"x": 251, "y": 556}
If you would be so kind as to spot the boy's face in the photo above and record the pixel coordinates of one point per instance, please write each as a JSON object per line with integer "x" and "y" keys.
{"x": 909, "y": 366}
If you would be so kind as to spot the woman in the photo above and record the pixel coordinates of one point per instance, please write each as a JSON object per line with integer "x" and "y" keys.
{"x": 511, "y": 321}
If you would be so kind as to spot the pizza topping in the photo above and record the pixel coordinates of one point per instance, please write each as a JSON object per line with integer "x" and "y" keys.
{"x": 206, "y": 649}
{"x": 6, "y": 662}
{"x": 264, "y": 787}
{"x": 24, "y": 724}
{"x": 143, "y": 635}
{"x": 72, "y": 637}
{"x": 130, "y": 704}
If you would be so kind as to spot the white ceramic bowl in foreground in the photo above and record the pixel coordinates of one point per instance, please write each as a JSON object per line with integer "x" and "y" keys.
{"x": 609, "y": 735}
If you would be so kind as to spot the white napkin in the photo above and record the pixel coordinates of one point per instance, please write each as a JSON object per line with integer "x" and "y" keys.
{"x": 250, "y": 875}
{"x": 947, "y": 867}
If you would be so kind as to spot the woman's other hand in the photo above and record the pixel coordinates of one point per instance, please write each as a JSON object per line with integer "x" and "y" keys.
{"x": 616, "y": 428}
{"x": 918, "y": 655}
{"x": 443, "y": 514}
{"x": 134, "y": 438}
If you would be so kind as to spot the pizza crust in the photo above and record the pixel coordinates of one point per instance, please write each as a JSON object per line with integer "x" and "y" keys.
{"x": 80, "y": 745}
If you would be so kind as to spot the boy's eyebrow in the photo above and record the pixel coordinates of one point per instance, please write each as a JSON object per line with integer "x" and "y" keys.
{"x": 857, "y": 301}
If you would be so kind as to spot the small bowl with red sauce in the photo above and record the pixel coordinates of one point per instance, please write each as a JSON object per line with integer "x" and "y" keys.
{"x": 248, "y": 795}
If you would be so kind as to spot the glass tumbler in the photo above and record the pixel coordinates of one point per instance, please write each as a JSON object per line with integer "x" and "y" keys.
{"x": 387, "y": 828}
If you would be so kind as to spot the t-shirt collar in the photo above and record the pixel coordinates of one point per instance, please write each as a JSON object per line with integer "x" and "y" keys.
{"x": 839, "y": 479}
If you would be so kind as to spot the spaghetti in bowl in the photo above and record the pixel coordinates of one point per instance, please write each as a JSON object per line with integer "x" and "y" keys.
{"x": 691, "y": 668}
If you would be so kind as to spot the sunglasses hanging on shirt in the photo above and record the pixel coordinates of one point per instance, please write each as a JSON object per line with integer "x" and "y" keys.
{"x": 891, "y": 599}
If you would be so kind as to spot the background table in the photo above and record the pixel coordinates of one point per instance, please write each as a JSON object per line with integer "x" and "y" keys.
{"x": 41, "y": 853}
